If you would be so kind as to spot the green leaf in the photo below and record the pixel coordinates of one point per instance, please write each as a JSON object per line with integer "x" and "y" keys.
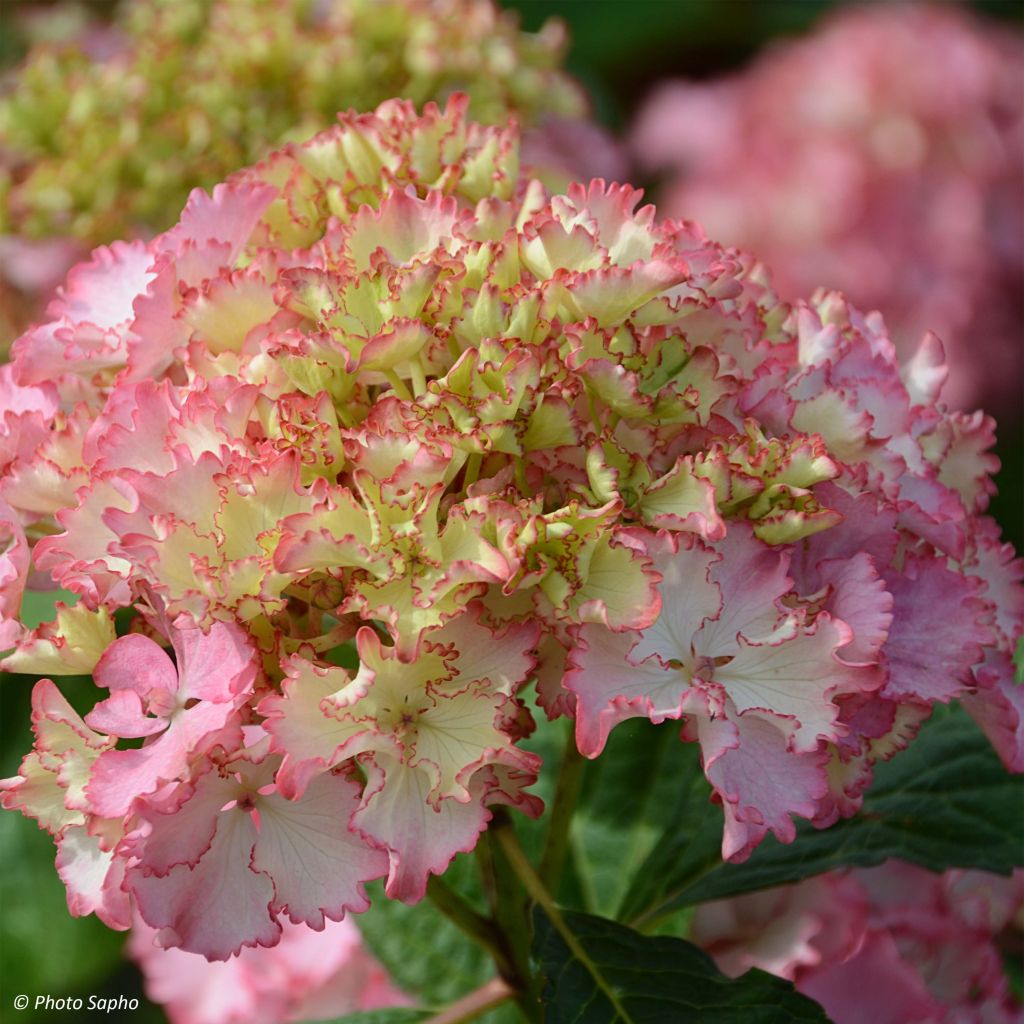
{"x": 426, "y": 955}
{"x": 43, "y": 948}
{"x": 394, "y": 1015}
{"x": 40, "y": 606}
{"x": 630, "y": 978}
{"x": 643, "y": 778}
{"x": 344, "y": 656}
{"x": 944, "y": 802}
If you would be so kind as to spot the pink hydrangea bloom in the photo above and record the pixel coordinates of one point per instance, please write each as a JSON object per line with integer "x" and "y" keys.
{"x": 881, "y": 155}
{"x": 891, "y": 944}
{"x": 308, "y": 975}
{"x": 380, "y": 396}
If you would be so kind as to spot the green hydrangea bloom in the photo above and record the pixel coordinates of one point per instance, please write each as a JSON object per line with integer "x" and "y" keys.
{"x": 102, "y": 149}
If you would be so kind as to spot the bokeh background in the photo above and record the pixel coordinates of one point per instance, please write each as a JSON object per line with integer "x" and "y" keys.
{"x": 620, "y": 50}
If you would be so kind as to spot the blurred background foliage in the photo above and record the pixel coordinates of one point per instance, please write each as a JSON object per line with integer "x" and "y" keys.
{"x": 619, "y": 50}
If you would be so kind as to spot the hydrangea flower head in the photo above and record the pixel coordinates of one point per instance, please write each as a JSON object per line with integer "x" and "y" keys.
{"x": 381, "y": 434}
{"x": 881, "y": 155}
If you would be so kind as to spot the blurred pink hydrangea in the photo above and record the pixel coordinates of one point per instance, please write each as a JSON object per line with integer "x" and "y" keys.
{"x": 882, "y": 155}
{"x": 308, "y": 975}
{"x": 891, "y": 945}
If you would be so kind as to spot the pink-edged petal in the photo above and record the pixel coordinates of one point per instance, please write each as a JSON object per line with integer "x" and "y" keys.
{"x": 858, "y": 597}
{"x": 317, "y": 863}
{"x": 88, "y": 327}
{"x": 937, "y": 632}
{"x": 310, "y": 739}
{"x": 228, "y": 214}
{"x": 102, "y": 290}
{"x": 620, "y": 590}
{"x": 57, "y": 725}
{"x": 49, "y": 783}
{"x": 216, "y": 665}
{"x": 998, "y": 708}
{"x": 123, "y": 715}
{"x": 611, "y": 294}
{"x": 119, "y": 776}
{"x": 135, "y": 662}
{"x": 216, "y": 907}
{"x": 794, "y": 678}
{"x": 93, "y": 878}
{"x": 751, "y": 576}
{"x": 422, "y": 837}
{"x": 37, "y": 793}
{"x": 1003, "y": 574}
{"x": 179, "y": 831}
{"x": 72, "y": 644}
{"x": 14, "y": 563}
{"x": 404, "y": 227}
{"x": 609, "y": 688}
{"x": 760, "y": 782}
{"x": 688, "y": 599}
{"x": 681, "y": 500}
{"x": 80, "y": 559}
{"x": 503, "y": 657}
{"x": 26, "y": 416}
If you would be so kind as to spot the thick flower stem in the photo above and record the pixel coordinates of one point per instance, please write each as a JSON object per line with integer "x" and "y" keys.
{"x": 567, "y": 791}
{"x": 520, "y": 863}
{"x": 511, "y": 914}
{"x": 484, "y": 856}
{"x": 479, "y": 928}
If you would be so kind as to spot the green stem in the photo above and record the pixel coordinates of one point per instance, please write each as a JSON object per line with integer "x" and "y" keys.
{"x": 479, "y": 928}
{"x": 484, "y": 856}
{"x": 398, "y": 384}
{"x": 567, "y": 791}
{"x": 520, "y": 476}
{"x": 511, "y": 915}
{"x": 325, "y": 642}
{"x": 521, "y": 865}
{"x": 472, "y": 470}
{"x": 419, "y": 377}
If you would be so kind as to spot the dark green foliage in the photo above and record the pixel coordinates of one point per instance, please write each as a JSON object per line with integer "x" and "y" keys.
{"x": 654, "y": 980}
